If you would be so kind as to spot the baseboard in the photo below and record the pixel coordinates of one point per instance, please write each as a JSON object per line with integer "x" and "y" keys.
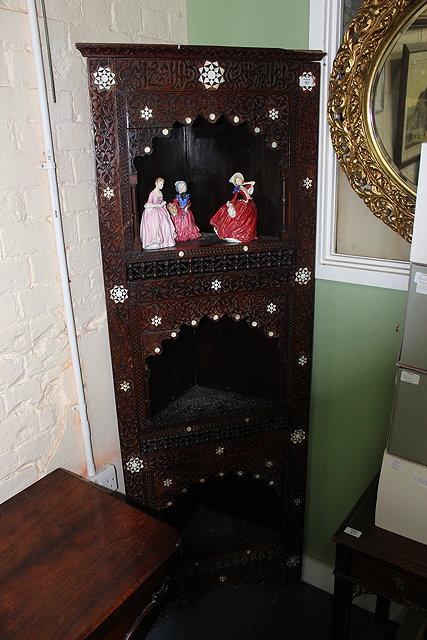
{"x": 318, "y": 574}
{"x": 321, "y": 575}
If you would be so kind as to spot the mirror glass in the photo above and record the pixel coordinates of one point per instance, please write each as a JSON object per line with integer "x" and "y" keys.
{"x": 349, "y": 9}
{"x": 398, "y": 104}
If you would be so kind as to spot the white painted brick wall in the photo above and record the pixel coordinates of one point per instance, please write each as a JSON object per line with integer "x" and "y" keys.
{"x": 39, "y": 430}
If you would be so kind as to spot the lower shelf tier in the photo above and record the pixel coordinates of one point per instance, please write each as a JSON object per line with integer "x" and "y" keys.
{"x": 215, "y": 543}
{"x": 211, "y": 531}
{"x": 203, "y": 403}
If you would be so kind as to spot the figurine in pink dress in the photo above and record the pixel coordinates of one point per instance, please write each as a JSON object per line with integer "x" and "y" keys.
{"x": 236, "y": 220}
{"x": 157, "y": 230}
{"x": 182, "y": 216}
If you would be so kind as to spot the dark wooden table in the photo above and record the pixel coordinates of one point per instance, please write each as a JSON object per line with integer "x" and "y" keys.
{"x": 77, "y": 562}
{"x": 378, "y": 561}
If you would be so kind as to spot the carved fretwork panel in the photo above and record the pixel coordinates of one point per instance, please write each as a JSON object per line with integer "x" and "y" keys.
{"x": 252, "y": 110}
{"x": 205, "y": 263}
{"x": 211, "y": 342}
{"x": 172, "y": 472}
{"x": 266, "y": 310}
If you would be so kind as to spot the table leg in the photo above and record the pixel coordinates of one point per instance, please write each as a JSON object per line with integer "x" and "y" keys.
{"x": 382, "y": 610}
{"x": 343, "y": 598}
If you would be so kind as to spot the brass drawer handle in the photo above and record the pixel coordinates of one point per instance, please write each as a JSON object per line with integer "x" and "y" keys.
{"x": 400, "y": 586}
{"x": 154, "y": 600}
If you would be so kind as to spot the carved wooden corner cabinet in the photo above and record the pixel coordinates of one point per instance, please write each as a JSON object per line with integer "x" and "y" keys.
{"x": 211, "y": 341}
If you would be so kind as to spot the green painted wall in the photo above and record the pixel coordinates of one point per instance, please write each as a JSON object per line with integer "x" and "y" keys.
{"x": 355, "y": 351}
{"x": 249, "y": 23}
{"x": 355, "y": 341}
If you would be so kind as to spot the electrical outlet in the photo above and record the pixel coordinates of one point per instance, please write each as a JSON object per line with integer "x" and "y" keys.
{"x": 106, "y": 476}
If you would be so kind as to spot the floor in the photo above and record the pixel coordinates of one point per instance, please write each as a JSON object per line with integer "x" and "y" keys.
{"x": 247, "y": 612}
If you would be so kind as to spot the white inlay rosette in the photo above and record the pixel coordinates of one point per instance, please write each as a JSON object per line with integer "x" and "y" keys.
{"x": 298, "y": 436}
{"x": 104, "y": 78}
{"x": 118, "y": 293}
{"x": 134, "y": 465}
{"x": 307, "y": 183}
{"x": 125, "y": 385}
{"x": 211, "y": 75}
{"x": 303, "y": 275}
{"x": 302, "y": 361}
{"x": 271, "y": 308}
{"x": 307, "y": 81}
{"x": 156, "y": 321}
{"x": 273, "y": 114}
{"x": 108, "y": 193}
{"x": 292, "y": 561}
{"x": 146, "y": 113}
{"x": 216, "y": 285}
{"x": 167, "y": 482}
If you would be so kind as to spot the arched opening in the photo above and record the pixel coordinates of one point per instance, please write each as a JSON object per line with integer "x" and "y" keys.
{"x": 214, "y": 369}
{"x": 206, "y": 155}
{"x": 224, "y": 513}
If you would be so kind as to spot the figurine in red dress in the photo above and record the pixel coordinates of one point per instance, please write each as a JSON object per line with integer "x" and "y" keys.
{"x": 236, "y": 220}
{"x": 182, "y": 217}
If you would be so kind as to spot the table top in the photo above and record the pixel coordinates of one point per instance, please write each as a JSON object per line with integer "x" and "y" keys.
{"x": 71, "y": 553}
{"x": 383, "y": 545}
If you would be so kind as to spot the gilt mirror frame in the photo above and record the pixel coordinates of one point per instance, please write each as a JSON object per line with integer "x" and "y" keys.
{"x": 369, "y": 36}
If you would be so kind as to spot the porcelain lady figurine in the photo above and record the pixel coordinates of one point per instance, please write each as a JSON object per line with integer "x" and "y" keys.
{"x": 157, "y": 230}
{"x": 182, "y": 216}
{"x": 236, "y": 220}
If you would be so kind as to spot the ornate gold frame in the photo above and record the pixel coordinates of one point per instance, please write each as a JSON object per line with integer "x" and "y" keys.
{"x": 369, "y": 36}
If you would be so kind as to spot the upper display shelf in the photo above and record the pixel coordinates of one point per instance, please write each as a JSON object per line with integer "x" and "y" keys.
{"x": 195, "y": 140}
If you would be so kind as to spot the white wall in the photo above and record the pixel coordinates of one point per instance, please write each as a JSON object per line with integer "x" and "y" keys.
{"x": 39, "y": 431}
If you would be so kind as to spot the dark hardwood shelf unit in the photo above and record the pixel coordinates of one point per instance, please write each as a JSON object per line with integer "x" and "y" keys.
{"x": 211, "y": 342}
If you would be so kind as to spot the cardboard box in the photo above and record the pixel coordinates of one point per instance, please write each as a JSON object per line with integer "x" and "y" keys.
{"x": 408, "y": 431}
{"x": 402, "y": 498}
{"x": 414, "y": 342}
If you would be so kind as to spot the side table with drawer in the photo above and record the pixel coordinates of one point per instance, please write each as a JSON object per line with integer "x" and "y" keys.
{"x": 376, "y": 561}
{"x": 78, "y": 563}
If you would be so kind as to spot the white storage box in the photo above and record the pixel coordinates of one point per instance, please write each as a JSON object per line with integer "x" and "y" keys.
{"x": 402, "y": 498}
